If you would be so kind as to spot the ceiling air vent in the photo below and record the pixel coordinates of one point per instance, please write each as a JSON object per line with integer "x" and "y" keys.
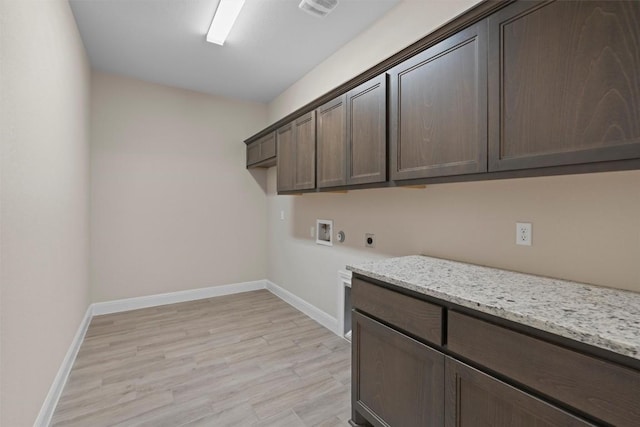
{"x": 319, "y": 8}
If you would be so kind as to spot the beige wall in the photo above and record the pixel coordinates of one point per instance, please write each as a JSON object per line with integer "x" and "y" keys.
{"x": 173, "y": 207}
{"x": 585, "y": 227}
{"x": 406, "y": 23}
{"x": 44, "y": 215}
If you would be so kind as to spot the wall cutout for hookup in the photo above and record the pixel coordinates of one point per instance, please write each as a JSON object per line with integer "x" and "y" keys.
{"x": 324, "y": 232}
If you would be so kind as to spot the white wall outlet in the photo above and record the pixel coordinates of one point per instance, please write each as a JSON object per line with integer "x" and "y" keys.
{"x": 523, "y": 233}
{"x": 312, "y": 231}
{"x": 282, "y": 216}
{"x": 370, "y": 240}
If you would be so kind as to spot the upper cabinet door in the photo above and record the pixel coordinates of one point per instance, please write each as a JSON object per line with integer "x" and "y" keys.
{"x": 305, "y": 152}
{"x": 367, "y": 132}
{"x": 564, "y": 83}
{"x": 268, "y": 146}
{"x": 438, "y": 116}
{"x": 253, "y": 153}
{"x": 332, "y": 143}
{"x": 286, "y": 157}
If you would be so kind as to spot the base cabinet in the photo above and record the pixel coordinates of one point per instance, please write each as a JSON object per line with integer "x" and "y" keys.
{"x": 490, "y": 376}
{"x": 397, "y": 381}
{"x": 474, "y": 399}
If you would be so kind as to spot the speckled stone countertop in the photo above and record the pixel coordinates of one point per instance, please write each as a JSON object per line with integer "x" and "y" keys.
{"x": 602, "y": 317}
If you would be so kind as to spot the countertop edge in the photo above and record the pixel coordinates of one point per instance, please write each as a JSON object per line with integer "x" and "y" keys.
{"x": 583, "y": 337}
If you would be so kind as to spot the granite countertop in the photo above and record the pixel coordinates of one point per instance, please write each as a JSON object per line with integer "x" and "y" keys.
{"x": 602, "y": 317}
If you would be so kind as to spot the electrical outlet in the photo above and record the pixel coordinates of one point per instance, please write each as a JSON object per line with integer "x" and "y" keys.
{"x": 523, "y": 233}
{"x": 312, "y": 231}
{"x": 281, "y": 215}
{"x": 370, "y": 240}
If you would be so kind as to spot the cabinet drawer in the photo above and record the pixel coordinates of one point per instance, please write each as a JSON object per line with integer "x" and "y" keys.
{"x": 602, "y": 389}
{"x": 412, "y": 315}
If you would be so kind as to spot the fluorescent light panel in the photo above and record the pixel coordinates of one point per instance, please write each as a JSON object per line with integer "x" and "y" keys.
{"x": 223, "y": 20}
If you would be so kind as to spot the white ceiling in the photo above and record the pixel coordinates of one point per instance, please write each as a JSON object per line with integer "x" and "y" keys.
{"x": 272, "y": 44}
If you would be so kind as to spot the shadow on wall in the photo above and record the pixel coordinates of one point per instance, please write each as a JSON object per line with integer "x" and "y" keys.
{"x": 476, "y": 222}
{"x": 356, "y": 213}
{"x": 260, "y": 176}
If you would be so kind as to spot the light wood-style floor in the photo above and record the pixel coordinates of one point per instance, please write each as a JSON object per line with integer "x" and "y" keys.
{"x": 240, "y": 360}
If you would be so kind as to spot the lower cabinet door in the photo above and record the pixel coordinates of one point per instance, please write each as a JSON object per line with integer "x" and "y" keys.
{"x": 474, "y": 399}
{"x": 397, "y": 381}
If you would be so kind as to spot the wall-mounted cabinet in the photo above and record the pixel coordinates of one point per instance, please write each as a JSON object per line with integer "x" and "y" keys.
{"x": 262, "y": 153}
{"x": 564, "y": 83}
{"x": 367, "y": 132}
{"x": 438, "y": 114}
{"x": 352, "y": 136}
{"x": 509, "y": 89}
{"x": 296, "y": 145}
{"x": 332, "y": 143}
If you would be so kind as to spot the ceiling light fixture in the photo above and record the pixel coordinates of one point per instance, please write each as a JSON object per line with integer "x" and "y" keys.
{"x": 223, "y": 19}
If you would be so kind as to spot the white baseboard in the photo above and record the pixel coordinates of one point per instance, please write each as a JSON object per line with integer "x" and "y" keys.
{"x": 116, "y": 306}
{"x": 55, "y": 391}
{"x": 312, "y": 311}
{"x": 127, "y": 304}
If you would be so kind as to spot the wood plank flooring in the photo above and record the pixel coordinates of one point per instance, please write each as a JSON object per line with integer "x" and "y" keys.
{"x": 248, "y": 359}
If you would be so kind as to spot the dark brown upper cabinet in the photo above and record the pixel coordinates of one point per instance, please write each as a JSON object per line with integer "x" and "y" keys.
{"x": 438, "y": 114}
{"x": 262, "y": 153}
{"x": 352, "y": 136}
{"x": 296, "y": 145}
{"x": 285, "y": 139}
{"x": 367, "y": 132}
{"x": 564, "y": 83}
{"x": 332, "y": 143}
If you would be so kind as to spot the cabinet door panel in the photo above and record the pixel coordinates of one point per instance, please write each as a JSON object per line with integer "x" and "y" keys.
{"x": 602, "y": 389}
{"x": 332, "y": 143}
{"x": 474, "y": 399}
{"x": 564, "y": 83}
{"x": 268, "y": 146}
{"x": 438, "y": 109}
{"x": 396, "y": 380}
{"x": 253, "y": 153}
{"x": 367, "y": 132}
{"x": 286, "y": 157}
{"x": 305, "y": 152}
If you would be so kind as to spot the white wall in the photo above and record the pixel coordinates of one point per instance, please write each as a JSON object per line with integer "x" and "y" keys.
{"x": 44, "y": 215}
{"x": 173, "y": 207}
{"x": 585, "y": 227}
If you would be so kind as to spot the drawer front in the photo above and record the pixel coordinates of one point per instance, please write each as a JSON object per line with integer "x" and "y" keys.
{"x": 268, "y": 146}
{"x": 412, "y": 315}
{"x": 602, "y": 389}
